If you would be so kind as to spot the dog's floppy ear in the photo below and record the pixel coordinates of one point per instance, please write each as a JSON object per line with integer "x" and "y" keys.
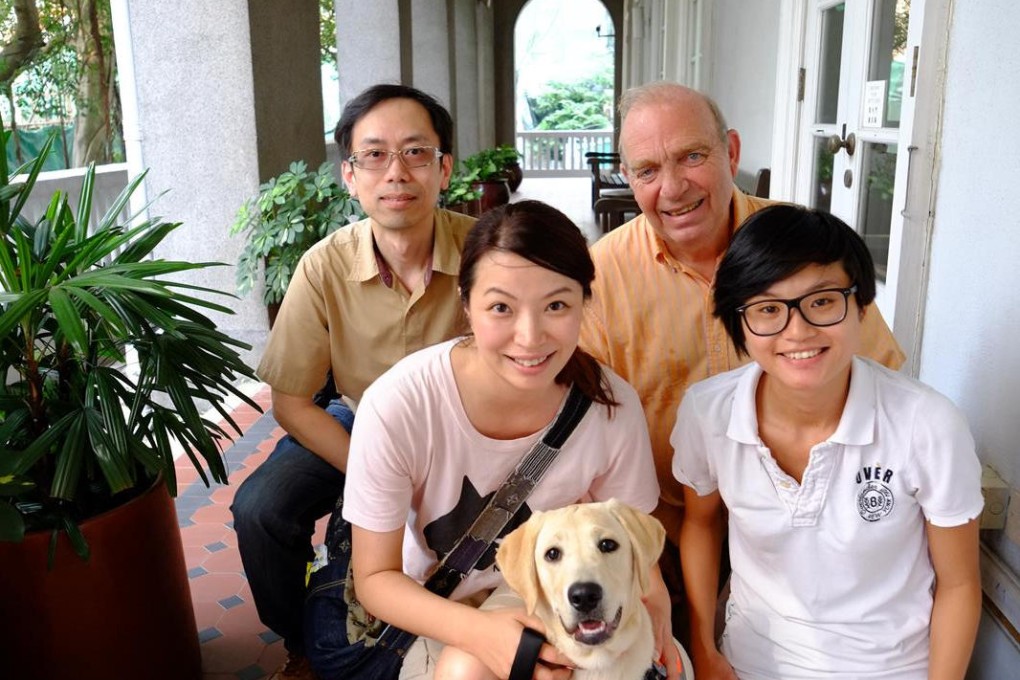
{"x": 646, "y": 537}
{"x": 516, "y": 559}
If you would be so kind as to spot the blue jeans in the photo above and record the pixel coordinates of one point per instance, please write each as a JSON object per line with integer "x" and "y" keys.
{"x": 275, "y": 511}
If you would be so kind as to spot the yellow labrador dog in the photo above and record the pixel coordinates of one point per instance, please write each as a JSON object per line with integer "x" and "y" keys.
{"x": 582, "y": 570}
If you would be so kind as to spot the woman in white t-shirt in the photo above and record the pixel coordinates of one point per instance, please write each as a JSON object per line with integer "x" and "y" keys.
{"x": 436, "y": 435}
{"x": 852, "y": 491}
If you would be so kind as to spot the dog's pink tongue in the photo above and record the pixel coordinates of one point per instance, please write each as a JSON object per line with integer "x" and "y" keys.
{"x": 589, "y": 627}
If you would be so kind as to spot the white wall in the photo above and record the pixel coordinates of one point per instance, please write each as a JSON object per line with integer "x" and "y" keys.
{"x": 972, "y": 312}
{"x": 742, "y": 73}
{"x": 972, "y": 316}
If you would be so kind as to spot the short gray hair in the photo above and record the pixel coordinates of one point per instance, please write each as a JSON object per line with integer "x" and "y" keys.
{"x": 662, "y": 91}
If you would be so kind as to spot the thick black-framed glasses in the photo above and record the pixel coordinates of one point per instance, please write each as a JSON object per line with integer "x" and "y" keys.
{"x": 821, "y": 308}
{"x": 380, "y": 159}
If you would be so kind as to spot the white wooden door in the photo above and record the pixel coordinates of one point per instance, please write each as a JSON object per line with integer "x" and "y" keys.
{"x": 859, "y": 65}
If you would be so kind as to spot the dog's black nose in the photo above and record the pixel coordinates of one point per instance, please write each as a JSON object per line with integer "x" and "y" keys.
{"x": 584, "y": 596}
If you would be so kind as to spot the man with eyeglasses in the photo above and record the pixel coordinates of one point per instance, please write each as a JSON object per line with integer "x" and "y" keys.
{"x": 650, "y": 316}
{"x": 360, "y": 300}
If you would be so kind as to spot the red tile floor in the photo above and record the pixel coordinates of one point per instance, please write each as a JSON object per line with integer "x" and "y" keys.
{"x": 235, "y": 644}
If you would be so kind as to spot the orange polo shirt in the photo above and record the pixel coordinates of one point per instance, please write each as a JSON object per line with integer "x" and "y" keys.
{"x": 650, "y": 319}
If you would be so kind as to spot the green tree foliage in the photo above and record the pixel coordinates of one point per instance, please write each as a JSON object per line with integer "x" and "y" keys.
{"x": 65, "y": 50}
{"x": 327, "y": 32}
{"x": 582, "y": 105}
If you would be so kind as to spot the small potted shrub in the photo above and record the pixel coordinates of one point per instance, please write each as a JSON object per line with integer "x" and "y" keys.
{"x": 103, "y": 352}
{"x": 291, "y": 213}
{"x": 509, "y": 159}
{"x": 461, "y": 196}
{"x": 488, "y": 175}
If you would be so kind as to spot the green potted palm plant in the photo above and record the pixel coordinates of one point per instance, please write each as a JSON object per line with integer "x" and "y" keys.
{"x": 291, "y": 213}
{"x": 103, "y": 352}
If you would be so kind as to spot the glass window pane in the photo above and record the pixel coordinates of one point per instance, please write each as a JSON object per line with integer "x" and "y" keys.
{"x": 888, "y": 54}
{"x": 879, "y": 171}
{"x": 821, "y": 182}
{"x": 831, "y": 53}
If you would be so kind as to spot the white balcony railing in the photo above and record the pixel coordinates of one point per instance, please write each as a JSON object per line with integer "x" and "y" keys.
{"x": 560, "y": 153}
{"x": 110, "y": 181}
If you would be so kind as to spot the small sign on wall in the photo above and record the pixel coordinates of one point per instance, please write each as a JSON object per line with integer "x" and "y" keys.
{"x": 874, "y": 103}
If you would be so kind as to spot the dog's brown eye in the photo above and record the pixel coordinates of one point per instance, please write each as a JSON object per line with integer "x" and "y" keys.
{"x": 608, "y": 545}
{"x": 553, "y": 555}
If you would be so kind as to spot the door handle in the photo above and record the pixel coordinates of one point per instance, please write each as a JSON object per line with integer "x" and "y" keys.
{"x": 834, "y": 143}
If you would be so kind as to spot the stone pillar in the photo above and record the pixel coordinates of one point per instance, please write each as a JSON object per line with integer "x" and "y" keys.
{"x": 218, "y": 97}
{"x": 368, "y": 47}
{"x": 464, "y": 63}
{"x": 430, "y": 49}
{"x": 439, "y": 46}
{"x": 286, "y": 78}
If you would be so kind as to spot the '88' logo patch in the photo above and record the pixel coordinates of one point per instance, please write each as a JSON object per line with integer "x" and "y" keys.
{"x": 875, "y": 501}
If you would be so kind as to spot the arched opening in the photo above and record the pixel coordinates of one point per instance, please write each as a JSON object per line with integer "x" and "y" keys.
{"x": 564, "y": 79}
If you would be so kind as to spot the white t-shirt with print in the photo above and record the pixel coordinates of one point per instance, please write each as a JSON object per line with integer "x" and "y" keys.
{"x": 831, "y": 577}
{"x": 416, "y": 461}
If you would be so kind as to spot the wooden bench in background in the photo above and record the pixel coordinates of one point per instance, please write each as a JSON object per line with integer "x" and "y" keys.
{"x": 607, "y": 179}
{"x": 612, "y": 211}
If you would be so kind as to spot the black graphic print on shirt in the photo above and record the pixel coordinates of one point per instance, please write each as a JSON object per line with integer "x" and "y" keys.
{"x": 442, "y": 534}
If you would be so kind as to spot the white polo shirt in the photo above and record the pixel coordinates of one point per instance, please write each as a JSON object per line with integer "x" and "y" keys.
{"x": 831, "y": 577}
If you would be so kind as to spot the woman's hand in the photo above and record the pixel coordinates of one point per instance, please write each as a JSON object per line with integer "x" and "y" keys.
{"x": 660, "y": 608}
{"x": 498, "y": 637}
{"x": 714, "y": 666}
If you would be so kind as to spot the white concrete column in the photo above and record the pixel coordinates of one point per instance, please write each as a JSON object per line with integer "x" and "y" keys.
{"x": 443, "y": 47}
{"x": 216, "y": 100}
{"x": 367, "y": 45}
{"x": 430, "y": 49}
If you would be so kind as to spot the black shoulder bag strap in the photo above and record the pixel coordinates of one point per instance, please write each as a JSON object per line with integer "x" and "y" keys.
{"x": 508, "y": 499}
{"x": 503, "y": 505}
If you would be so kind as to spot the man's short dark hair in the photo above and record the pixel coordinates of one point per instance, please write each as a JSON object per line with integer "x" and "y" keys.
{"x": 358, "y": 107}
{"x": 776, "y": 243}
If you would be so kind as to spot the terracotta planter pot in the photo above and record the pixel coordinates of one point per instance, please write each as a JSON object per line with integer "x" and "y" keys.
{"x": 514, "y": 176}
{"x": 494, "y": 193}
{"x": 272, "y": 309}
{"x": 125, "y": 613}
{"x": 472, "y": 207}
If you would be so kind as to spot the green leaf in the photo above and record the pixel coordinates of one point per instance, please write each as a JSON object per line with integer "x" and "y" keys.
{"x": 70, "y": 460}
{"x": 24, "y": 460}
{"x": 68, "y": 319}
{"x": 21, "y": 306}
{"x": 12, "y": 525}
{"x": 99, "y": 307}
{"x": 35, "y": 166}
{"x": 78, "y": 543}
{"x": 85, "y": 200}
{"x": 112, "y": 463}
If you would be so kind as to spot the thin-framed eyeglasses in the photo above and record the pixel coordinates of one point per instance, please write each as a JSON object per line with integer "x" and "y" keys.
{"x": 380, "y": 159}
{"x": 821, "y": 308}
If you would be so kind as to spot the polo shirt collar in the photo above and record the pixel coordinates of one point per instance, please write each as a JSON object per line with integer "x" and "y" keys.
{"x": 743, "y": 426}
{"x": 741, "y": 208}
{"x": 445, "y": 253}
{"x": 368, "y": 262}
{"x": 365, "y": 265}
{"x": 856, "y": 425}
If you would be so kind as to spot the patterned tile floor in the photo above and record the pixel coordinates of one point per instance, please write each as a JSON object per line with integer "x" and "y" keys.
{"x": 235, "y": 644}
